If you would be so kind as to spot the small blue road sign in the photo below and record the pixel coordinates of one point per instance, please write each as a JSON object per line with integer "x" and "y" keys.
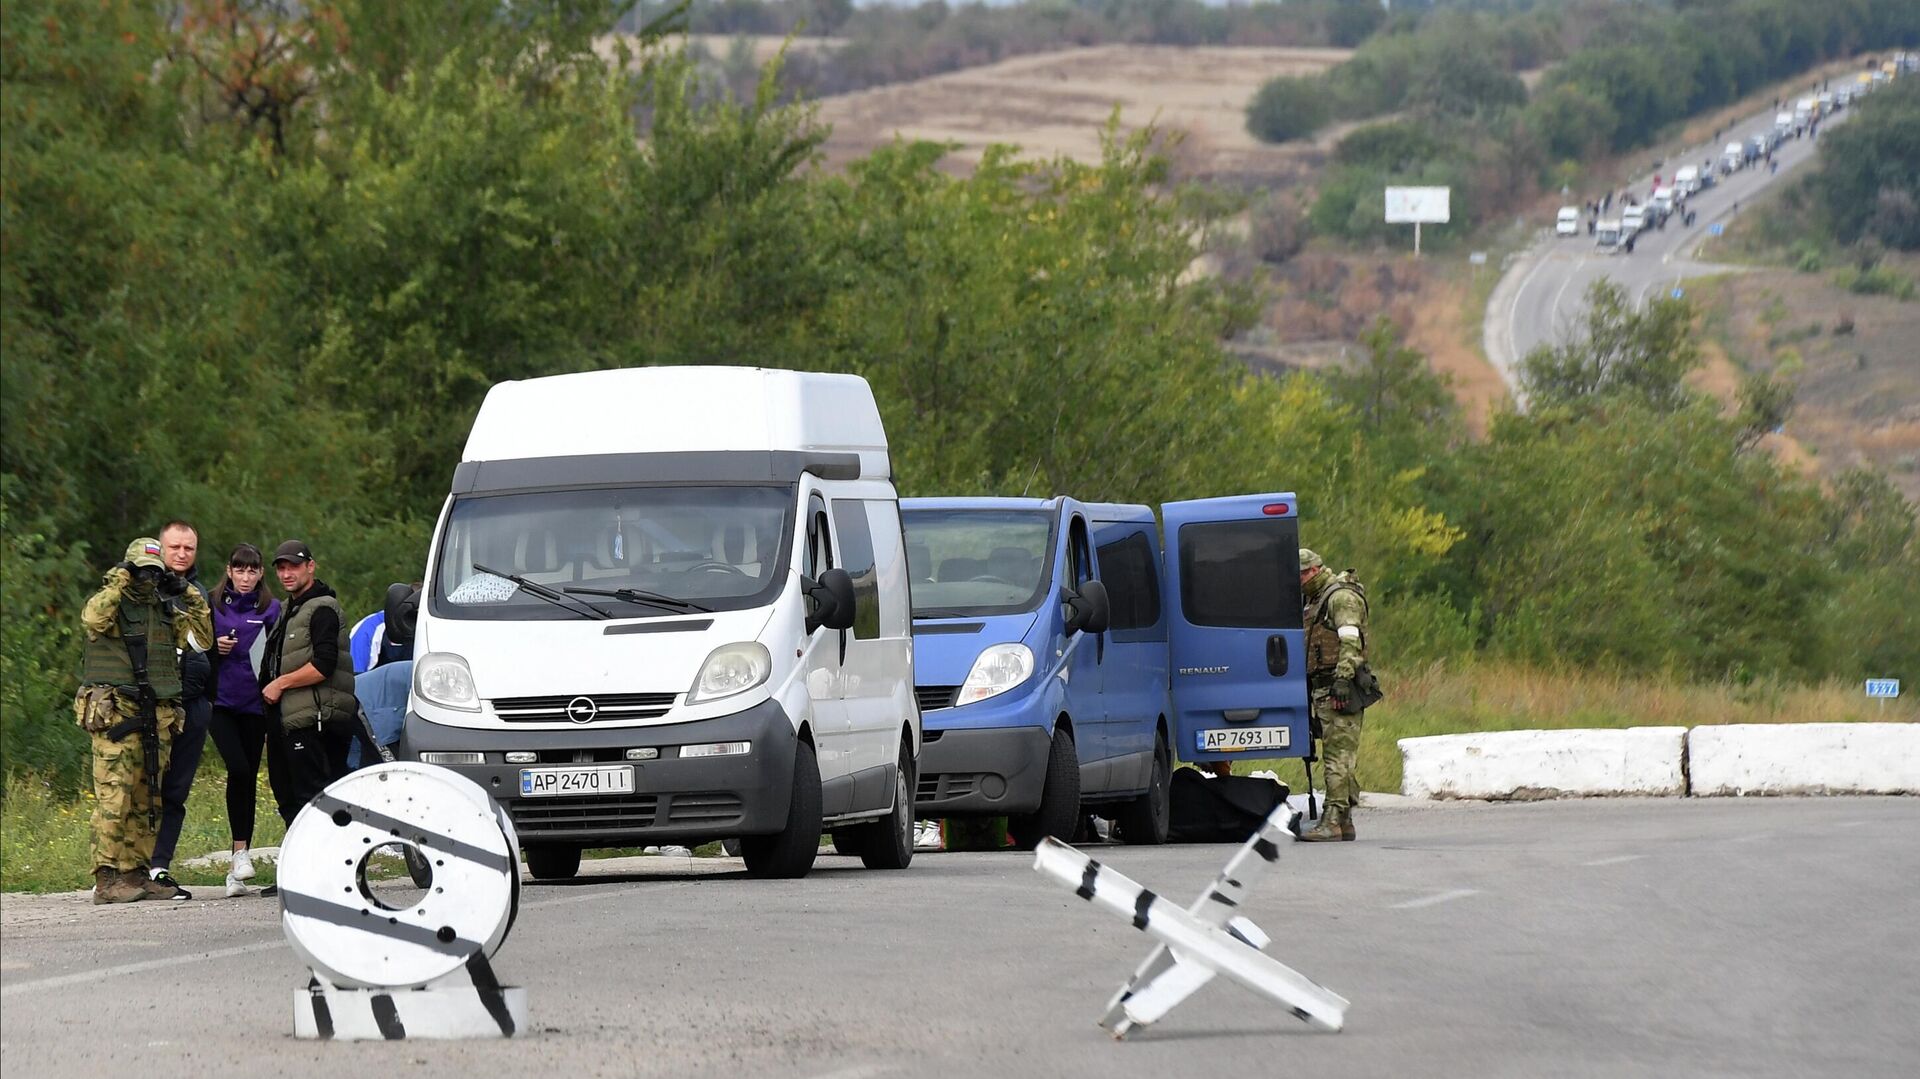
{"x": 1883, "y": 687}
{"x": 1716, "y": 229}
{"x": 1678, "y": 292}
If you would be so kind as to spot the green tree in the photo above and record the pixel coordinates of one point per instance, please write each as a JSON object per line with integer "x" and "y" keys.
{"x": 1287, "y": 108}
{"x": 1869, "y": 178}
{"x": 1642, "y": 355}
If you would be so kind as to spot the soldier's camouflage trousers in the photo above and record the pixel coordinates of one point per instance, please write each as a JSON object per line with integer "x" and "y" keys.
{"x": 122, "y": 834}
{"x": 1339, "y": 753}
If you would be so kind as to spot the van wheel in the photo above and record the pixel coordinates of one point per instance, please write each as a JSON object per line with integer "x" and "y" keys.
{"x": 553, "y": 863}
{"x": 789, "y": 855}
{"x": 1144, "y": 821}
{"x": 1059, "y": 810}
{"x": 887, "y": 843}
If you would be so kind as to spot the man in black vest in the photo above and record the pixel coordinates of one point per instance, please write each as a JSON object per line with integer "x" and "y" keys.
{"x": 307, "y": 683}
{"x": 129, "y": 705}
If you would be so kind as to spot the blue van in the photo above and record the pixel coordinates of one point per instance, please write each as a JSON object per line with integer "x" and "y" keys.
{"x": 1064, "y": 656}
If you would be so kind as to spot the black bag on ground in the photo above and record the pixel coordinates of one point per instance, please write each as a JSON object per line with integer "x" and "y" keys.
{"x": 1223, "y": 809}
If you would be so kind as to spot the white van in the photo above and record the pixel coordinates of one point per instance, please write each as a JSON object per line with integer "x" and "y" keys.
{"x": 1686, "y": 180}
{"x": 1568, "y": 223}
{"x": 669, "y": 605}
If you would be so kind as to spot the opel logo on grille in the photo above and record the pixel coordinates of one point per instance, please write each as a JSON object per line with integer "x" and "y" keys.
{"x": 582, "y": 709}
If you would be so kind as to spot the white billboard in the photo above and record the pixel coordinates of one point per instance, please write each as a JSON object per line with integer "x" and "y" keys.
{"x": 1415, "y": 205}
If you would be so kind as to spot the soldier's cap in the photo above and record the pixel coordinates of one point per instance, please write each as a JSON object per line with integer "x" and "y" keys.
{"x": 1309, "y": 560}
{"x": 145, "y": 551}
{"x": 292, "y": 551}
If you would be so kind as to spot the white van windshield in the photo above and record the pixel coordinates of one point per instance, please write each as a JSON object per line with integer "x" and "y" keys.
{"x": 630, "y": 552}
{"x": 970, "y": 563}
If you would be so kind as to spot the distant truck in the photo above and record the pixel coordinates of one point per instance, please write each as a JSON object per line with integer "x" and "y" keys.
{"x": 1757, "y": 147}
{"x": 1732, "y": 158}
{"x": 1687, "y": 180}
{"x": 1782, "y": 127}
{"x": 1568, "y": 223}
{"x": 1607, "y": 233}
{"x": 1803, "y": 114}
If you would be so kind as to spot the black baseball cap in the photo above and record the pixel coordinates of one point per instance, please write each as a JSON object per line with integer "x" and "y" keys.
{"x": 292, "y": 551}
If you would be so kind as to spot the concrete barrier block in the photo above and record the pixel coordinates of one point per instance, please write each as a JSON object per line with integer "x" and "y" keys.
{"x": 1805, "y": 758}
{"x": 1527, "y": 765}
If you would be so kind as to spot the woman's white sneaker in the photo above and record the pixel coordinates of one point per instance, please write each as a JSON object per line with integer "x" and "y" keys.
{"x": 242, "y": 866}
{"x": 235, "y": 889}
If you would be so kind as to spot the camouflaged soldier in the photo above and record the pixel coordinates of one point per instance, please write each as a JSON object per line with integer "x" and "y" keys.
{"x": 129, "y": 704}
{"x": 1339, "y": 683}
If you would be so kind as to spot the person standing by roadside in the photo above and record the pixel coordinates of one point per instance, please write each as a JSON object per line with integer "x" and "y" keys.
{"x": 1339, "y": 685}
{"x": 137, "y": 626}
{"x": 243, "y": 613}
{"x": 180, "y": 549}
{"x": 307, "y": 683}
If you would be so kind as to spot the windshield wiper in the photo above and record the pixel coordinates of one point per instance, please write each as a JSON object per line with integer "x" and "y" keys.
{"x": 535, "y": 588}
{"x": 641, "y": 595}
{"x": 941, "y": 612}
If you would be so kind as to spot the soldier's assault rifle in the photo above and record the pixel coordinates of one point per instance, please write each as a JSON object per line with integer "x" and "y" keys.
{"x": 145, "y": 720}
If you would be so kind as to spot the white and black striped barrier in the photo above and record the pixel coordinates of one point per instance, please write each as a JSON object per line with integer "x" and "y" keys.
{"x": 383, "y": 969}
{"x": 1205, "y": 939}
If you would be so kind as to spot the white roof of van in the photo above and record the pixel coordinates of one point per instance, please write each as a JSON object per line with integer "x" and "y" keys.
{"x": 677, "y": 410}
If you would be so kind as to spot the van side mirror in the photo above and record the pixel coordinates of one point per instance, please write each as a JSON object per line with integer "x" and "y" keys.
{"x": 402, "y": 612}
{"x": 831, "y": 601}
{"x": 1088, "y": 609}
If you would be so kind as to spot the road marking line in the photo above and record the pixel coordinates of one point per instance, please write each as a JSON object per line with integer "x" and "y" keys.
{"x": 1432, "y": 900}
{"x": 857, "y": 1071}
{"x": 1615, "y": 860}
{"x": 141, "y": 967}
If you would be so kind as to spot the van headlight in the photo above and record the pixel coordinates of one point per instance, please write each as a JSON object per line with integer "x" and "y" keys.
{"x": 731, "y": 669}
{"x": 999, "y": 668}
{"x": 444, "y": 679}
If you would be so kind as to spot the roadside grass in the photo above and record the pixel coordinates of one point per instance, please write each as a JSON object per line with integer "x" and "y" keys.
{"x": 44, "y": 844}
{"x": 1445, "y": 699}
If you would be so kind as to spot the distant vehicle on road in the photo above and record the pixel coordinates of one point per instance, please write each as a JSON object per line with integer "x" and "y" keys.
{"x": 1757, "y": 147}
{"x": 1732, "y": 158}
{"x": 1782, "y": 127}
{"x": 1568, "y": 223}
{"x": 1687, "y": 180}
{"x": 1803, "y": 114}
{"x": 1632, "y": 220}
{"x": 1608, "y": 233}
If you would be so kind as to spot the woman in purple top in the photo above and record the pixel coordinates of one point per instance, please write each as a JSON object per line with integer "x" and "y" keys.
{"x": 242, "y": 614}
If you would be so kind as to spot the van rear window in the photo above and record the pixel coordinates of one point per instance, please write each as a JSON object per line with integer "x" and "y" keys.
{"x": 1241, "y": 573}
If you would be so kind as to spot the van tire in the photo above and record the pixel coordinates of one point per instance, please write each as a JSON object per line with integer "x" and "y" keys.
{"x": 887, "y": 843}
{"x": 788, "y": 855}
{"x": 547, "y": 862}
{"x": 1059, "y": 811}
{"x": 1146, "y": 820}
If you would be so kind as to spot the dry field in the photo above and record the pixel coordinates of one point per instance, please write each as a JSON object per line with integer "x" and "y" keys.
{"x": 764, "y": 46}
{"x": 1056, "y": 104}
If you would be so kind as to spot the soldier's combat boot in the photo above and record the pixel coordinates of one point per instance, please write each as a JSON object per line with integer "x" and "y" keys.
{"x": 161, "y": 887}
{"x": 1327, "y": 831}
{"x": 1347, "y": 833}
{"x": 112, "y": 886}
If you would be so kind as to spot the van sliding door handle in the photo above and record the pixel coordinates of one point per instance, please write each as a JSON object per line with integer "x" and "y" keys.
{"x": 1277, "y": 656}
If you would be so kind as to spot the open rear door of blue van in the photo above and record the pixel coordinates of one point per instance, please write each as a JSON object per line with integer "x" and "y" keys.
{"x": 1238, "y": 652}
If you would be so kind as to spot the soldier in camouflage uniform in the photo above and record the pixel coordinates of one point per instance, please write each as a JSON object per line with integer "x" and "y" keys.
{"x": 1336, "y": 624}
{"x": 131, "y": 668}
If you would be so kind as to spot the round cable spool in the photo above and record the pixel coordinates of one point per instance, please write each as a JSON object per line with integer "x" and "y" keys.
{"x": 353, "y": 934}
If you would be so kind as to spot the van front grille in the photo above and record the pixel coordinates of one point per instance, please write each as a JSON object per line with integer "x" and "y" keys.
{"x": 605, "y": 707}
{"x": 940, "y": 786}
{"x": 533, "y": 815}
{"x": 933, "y": 697}
{"x": 704, "y": 807}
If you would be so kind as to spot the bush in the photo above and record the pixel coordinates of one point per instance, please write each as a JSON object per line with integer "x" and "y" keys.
{"x": 1876, "y": 281}
{"x": 1288, "y": 108}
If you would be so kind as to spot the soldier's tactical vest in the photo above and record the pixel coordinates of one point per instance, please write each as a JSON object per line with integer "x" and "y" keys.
{"x": 1323, "y": 641}
{"x": 106, "y": 663}
{"x": 331, "y": 701}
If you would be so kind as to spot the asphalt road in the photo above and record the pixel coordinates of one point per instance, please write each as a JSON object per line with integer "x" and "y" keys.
{"x": 1542, "y": 298}
{"x": 1607, "y": 938}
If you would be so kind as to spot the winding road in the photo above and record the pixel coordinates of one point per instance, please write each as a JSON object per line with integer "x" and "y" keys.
{"x": 1542, "y": 298}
